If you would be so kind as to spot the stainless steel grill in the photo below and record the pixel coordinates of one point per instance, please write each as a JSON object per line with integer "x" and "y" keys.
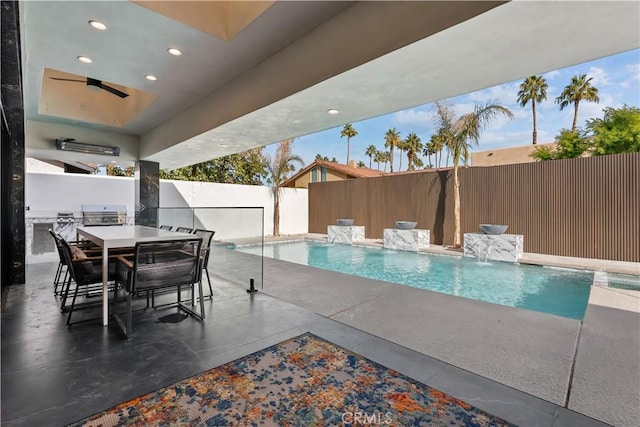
{"x": 104, "y": 214}
{"x": 64, "y": 217}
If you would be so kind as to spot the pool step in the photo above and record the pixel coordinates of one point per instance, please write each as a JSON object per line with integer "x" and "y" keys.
{"x": 600, "y": 278}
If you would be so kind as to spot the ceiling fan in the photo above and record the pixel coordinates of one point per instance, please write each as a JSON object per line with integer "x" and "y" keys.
{"x": 95, "y": 83}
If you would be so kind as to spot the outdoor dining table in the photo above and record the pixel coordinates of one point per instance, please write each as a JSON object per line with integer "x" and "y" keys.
{"x": 113, "y": 237}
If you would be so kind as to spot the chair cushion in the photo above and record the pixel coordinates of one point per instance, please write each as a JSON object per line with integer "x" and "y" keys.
{"x": 165, "y": 274}
{"x": 90, "y": 271}
{"x": 77, "y": 254}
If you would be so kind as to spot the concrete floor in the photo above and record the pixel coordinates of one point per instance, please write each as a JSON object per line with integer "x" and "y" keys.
{"x": 52, "y": 374}
{"x": 565, "y": 361}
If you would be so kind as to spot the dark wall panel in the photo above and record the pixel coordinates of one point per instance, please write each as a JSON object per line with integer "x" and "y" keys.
{"x": 12, "y": 150}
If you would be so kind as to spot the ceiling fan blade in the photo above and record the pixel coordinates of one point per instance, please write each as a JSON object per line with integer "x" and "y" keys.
{"x": 67, "y": 80}
{"x": 113, "y": 90}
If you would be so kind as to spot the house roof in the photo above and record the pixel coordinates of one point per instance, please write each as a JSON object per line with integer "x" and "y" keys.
{"x": 350, "y": 171}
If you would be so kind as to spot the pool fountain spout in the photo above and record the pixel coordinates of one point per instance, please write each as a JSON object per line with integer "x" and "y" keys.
{"x": 345, "y": 232}
{"x": 487, "y": 250}
{"x": 492, "y": 245}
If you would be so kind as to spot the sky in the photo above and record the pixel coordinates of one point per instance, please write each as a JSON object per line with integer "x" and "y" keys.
{"x": 617, "y": 78}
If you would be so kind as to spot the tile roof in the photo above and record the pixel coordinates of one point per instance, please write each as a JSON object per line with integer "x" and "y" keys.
{"x": 350, "y": 171}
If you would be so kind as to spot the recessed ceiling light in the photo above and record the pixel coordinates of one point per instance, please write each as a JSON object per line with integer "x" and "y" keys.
{"x": 333, "y": 111}
{"x": 174, "y": 51}
{"x": 97, "y": 25}
{"x": 151, "y": 77}
{"x": 85, "y": 59}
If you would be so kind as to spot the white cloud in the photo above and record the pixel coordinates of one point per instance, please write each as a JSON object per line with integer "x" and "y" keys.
{"x": 503, "y": 94}
{"x": 501, "y": 121}
{"x": 463, "y": 108}
{"x": 599, "y": 75}
{"x": 550, "y": 102}
{"x": 413, "y": 117}
{"x": 523, "y": 113}
{"x": 589, "y": 110}
{"x": 551, "y": 75}
{"x": 633, "y": 70}
{"x": 503, "y": 139}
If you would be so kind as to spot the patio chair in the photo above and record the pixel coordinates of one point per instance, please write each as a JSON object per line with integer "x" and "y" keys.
{"x": 58, "y": 280}
{"x": 155, "y": 266}
{"x": 85, "y": 271}
{"x": 62, "y": 265}
{"x": 184, "y": 230}
{"x": 165, "y": 227}
{"x": 207, "y": 236}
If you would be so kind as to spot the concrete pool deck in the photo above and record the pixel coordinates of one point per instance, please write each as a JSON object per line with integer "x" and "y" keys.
{"x": 53, "y": 374}
{"x": 590, "y": 366}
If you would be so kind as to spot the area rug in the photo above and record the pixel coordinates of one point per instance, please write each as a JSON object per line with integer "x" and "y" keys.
{"x": 304, "y": 381}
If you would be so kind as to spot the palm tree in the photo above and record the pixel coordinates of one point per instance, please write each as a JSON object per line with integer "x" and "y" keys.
{"x": 391, "y": 139}
{"x": 278, "y": 169}
{"x": 436, "y": 142}
{"x": 458, "y": 135}
{"x": 413, "y": 146}
{"x": 361, "y": 164}
{"x": 579, "y": 89}
{"x": 378, "y": 158}
{"x": 402, "y": 147}
{"x": 386, "y": 158}
{"x": 371, "y": 151}
{"x": 418, "y": 163}
{"x": 533, "y": 89}
{"x": 349, "y": 131}
{"x": 428, "y": 151}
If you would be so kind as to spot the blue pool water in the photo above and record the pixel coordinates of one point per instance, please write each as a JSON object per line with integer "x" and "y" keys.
{"x": 624, "y": 281}
{"x": 555, "y": 291}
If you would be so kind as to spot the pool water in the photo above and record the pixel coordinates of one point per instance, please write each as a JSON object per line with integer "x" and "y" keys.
{"x": 624, "y": 281}
{"x": 554, "y": 291}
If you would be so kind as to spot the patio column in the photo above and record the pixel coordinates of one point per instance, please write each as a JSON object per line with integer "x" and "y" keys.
{"x": 12, "y": 149}
{"x": 147, "y": 193}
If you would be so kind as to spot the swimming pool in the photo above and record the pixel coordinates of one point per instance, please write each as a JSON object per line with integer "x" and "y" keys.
{"x": 555, "y": 291}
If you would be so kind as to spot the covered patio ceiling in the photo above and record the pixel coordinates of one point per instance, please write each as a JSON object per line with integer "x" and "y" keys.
{"x": 270, "y": 71}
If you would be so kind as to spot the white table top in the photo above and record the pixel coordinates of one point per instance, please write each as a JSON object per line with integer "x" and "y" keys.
{"x": 128, "y": 235}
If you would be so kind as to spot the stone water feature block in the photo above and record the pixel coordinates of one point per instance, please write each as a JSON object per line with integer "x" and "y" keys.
{"x": 347, "y": 234}
{"x": 406, "y": 240}
{"x": 503, "y": 247}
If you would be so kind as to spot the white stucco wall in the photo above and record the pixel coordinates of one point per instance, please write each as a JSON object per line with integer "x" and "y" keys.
{"x": 38, "y": 166}
{"x": 47, "y": 194}
{"x": 293, "y": 207}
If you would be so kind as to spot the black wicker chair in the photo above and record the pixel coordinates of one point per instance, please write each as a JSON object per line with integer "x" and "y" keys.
{"x": 59, "y": 280}
{"x": 155, "y": 266}
{"x": 165, "y": 227}
{"x": 86, "y": 273}
{"x": 207, "y": 236}
{"x": 184, "y": 230}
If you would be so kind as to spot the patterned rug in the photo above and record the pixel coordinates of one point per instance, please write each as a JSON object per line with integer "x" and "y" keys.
{"x": 304, "y": 381}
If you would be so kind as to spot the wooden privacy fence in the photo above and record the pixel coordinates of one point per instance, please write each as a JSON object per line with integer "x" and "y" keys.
{"x": 587, "y": 207}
